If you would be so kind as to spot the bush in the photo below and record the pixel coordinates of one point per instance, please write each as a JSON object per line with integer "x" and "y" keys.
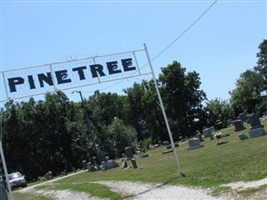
{"x": 146, "y": 142}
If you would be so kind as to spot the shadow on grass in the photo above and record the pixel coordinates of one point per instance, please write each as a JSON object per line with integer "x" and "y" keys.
{"x": 153, "y": 188}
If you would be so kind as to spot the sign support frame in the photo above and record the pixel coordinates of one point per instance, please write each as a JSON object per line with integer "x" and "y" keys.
{"x": 164, "y": 113}
{"x": 4, "y": 164}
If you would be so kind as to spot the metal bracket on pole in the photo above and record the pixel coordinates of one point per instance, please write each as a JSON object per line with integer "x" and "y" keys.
{"x": 164, "y": 114}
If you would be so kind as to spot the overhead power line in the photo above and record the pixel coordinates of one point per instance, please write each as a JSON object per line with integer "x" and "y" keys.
{"x": 172, "y": 43}
{"x": 185, "y": 31}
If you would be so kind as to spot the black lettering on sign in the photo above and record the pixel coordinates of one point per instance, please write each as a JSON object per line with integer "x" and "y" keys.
{"x": 62, "y": 76}
{"x": 12, "y": 82}
{"x": 113, "y": 67}
{"x": 97, "y": 69}
{"x": 41, "y": 80}
{"x": 45, "y": 78}
{"x": 31, "y": 82}
{"x": 80, "y": 72}
{"x": 126, "y": 63}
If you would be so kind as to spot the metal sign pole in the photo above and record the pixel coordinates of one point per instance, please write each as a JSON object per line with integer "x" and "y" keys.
{"x": 2, "y": 156}
{"x": 164, "y": 113}
{"x": 5, "y": 170}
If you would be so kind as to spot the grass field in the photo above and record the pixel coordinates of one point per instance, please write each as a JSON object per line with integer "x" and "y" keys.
{"x": 209, "y": 166}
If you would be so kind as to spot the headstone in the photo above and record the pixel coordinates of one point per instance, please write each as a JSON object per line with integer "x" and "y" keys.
{"x": 229, "y": 122}
{"x": 112, "y": 164}
{"x": 207, "y": 132}
{"x": 243, "y": 117}
{"x": 198, "y": 135}
{"x": 254, "y": 121}
{"x": 134, "y": 163}
{"x": 239, "y": 125}
{"x": 257, "y": 132}
{"x": 124, "y": 163}
{"x": 90, "y": 167}
{"x": 129, "y": 156}
{"x": 97, "y": 166}
{"x": 194, "y": 143}
{"x": 165, "y": 143}
{"x": 218, "y": 125}
{"x": 84, "y": 164}
{"x": 212, "y": 129}
{"x": 128, "y": 152}
{"x": 103, "y": 166}
{"x": 242, "y": 136}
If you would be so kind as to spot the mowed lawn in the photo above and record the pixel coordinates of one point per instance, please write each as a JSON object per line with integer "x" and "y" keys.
{"x": 209, "y": 166}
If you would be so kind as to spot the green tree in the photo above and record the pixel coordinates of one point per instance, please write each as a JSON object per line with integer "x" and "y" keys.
{"x": 136, "y": 113}
{"x": 219, "y": 111}
{"x": 105, "y": 106}
{"x": 120, "y": 135}
{"x": 102, "y": 109}
{"x": 246, "y": 96}
{"x": 44, "y": 135}
{"x": 183, "y": 98}
{"x": 261, "y": 66}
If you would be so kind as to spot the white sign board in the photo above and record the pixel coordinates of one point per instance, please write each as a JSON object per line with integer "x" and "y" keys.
{"x": 38, "y": 80}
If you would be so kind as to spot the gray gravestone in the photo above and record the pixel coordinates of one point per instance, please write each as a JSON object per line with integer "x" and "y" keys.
{"x": 130, "y": 156}
{"x": 134, "y": 163}
{"x": 166, "y": 143}
{"x": 254, "y": 121}
{"x": 84, "y": 164}
{"x": 257, "y": 132}
{"x": 212, "y": 129}
{"x": 124, "y": 163}
{"x": 243, "y": 117}
{"x": 242, "y": 136}
{"x": 239, "y": 125}
{"x": 229, "y": 122}
{"x": 90, "y": 167}
{"x": 194, "y": 143}
{"x": 198, "y": 135}
{"x": 206, "y": 132}
{"x": 128, "y": 152}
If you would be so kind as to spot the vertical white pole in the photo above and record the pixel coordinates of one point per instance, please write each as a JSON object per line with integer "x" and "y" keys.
{"x": 5, "y": 170}
{"x": 164, "y": 113}
{"x": 4, "y": 80}
{"x": 4, "y": 161}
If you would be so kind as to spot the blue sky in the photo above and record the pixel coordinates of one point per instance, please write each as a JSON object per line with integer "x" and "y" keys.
{"x": 220, "y": 46}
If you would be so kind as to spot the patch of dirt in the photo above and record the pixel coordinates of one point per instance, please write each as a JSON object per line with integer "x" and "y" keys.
{"x": 256, "y": 190}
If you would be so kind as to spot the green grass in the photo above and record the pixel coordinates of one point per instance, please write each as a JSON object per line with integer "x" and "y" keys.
{"x": 28, "y": 196}
{"x": 250, "y": 192}
{"x": 93, "y": 189}
{"x": 209, "y": 166}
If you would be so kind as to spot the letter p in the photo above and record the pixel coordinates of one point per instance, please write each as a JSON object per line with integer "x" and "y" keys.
{"x": 12, "y": 82}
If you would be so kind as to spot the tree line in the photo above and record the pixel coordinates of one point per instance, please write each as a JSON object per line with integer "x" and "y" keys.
{"x": 54, "y": 133}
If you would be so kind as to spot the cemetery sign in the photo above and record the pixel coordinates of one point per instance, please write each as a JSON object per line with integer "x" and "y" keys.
{"x": 31, "y": 81}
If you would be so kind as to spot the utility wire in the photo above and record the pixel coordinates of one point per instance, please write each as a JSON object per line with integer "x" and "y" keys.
{"x": 172, "y": 43}
{"x": 185, "y": 31}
